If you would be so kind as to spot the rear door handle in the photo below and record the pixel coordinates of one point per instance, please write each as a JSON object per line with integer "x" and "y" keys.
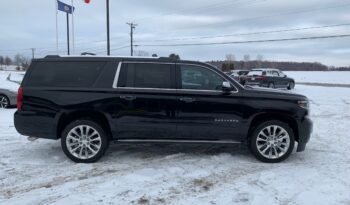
{"x": 128, "y": 97}
{"x": 188, "y": 100}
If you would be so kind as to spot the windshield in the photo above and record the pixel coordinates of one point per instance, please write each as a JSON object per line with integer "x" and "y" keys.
{"x": 255, "y": 72}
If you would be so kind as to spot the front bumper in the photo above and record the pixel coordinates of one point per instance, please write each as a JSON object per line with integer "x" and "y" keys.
{"x": 305, "y": 127}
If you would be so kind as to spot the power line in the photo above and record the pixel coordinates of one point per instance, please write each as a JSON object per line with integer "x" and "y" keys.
{"x": 224, "y": 3}
{"x": 251, "y": 33}
{"x": 274, "y": 15}
{"x": 242, "y": 42}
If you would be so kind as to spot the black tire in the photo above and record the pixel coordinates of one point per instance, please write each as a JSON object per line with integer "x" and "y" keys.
{"x": 4, "y": 101}
{"x": 291, "y": 85}
{"x": 271, "y": 85}
{"x": 255, "y": 134}
{"x": 103, "y": 143}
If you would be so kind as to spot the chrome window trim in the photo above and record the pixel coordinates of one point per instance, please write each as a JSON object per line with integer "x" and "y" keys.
{"x": 116, "y": 78}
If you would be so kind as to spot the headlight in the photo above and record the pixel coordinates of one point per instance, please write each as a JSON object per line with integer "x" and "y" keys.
{"x": 304, "y": 104}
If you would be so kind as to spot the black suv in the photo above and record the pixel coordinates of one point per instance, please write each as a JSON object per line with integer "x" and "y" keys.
{"x": 268, "y": 77}
{"x": 89, "y": 101}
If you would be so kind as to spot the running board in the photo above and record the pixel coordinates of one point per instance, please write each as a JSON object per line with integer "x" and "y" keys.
{"x": 179, "y": 141}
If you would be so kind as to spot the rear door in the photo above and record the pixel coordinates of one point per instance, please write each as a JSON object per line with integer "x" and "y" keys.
{"x": 204, "y": 111}
{"x": 145, "y": 100}
{"x": 276, "y": 79}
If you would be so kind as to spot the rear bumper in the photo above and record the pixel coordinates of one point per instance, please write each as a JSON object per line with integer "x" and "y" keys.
{"x": 260, "y": 84}
{"x": 305, "y": 127}
{"x": 34, "y": 125}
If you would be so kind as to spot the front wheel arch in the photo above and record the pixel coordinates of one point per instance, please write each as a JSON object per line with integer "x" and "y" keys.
{"x": 263, "y": 117}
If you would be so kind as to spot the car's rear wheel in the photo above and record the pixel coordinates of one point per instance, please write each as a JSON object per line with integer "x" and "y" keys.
{"x": 4, "y": 101}
{"x": 271, "y": 85}
{"x": 291, "y": 86}
{"x": 272, "y": 141}
{"x": 84, "y": 141}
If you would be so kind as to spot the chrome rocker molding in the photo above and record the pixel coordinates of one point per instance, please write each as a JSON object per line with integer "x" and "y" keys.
{"x": 179, "y": 141}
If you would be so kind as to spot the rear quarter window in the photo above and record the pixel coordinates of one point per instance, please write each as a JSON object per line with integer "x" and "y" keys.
{"x": 64, "y": 74}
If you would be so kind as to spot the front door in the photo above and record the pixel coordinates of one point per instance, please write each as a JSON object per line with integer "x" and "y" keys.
{"x": 146, "y": 101}
{"x": 204, "y": 111}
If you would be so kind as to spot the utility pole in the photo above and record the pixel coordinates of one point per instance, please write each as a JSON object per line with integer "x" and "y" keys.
{"x": 33, "y": 51}
{"x": 68, "y": 50}
{"x": 108, "y": 39}
{"x": 132, "y": 27}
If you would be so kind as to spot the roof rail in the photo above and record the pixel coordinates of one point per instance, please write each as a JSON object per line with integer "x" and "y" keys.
{"x": 87, "y": 53}
{"x": 52, "y": 56}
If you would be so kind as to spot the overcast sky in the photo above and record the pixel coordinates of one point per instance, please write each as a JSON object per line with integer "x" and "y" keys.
{"x": 28, "y": 24}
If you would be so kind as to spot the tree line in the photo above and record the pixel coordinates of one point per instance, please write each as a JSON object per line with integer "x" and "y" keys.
{"x": 230, "y": 63}
{"x": 20, "y": 61}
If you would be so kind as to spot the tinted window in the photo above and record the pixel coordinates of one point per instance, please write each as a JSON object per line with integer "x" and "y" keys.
{"x": 255, "y": 72}
{"x": 145, "y": 75}
{"x": 275, "y": 73}
{"x": 199, "y": 78}
{"x": 65, "y": 74}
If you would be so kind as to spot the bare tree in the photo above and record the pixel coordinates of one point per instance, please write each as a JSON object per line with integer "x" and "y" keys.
{"x": 7, "y": 61}
{"x": 246, "y": 57}
{"x": 2, "y": 60}
{"x": 230, "y": 57}
{"x": 259, "y": 57}
{"x": 19, "y": 60}
{"x": 174, "y": 56}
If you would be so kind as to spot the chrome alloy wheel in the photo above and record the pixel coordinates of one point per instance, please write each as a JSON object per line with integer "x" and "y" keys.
{"x": 273, "y": 142}
{"x": 83, "y": 142}
{"x": 3, "y": 101}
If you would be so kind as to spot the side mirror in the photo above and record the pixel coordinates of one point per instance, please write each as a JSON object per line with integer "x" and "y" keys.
{"x": 285, "y": 76}
{"x": 226, "y": 86}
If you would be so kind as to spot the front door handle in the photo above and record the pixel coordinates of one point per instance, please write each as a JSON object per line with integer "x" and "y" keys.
{"x": 188, "y": 100}
{"x": 128, "y": 97}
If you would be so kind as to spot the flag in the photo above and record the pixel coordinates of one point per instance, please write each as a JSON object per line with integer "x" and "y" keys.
{"x": 65, "y": 7}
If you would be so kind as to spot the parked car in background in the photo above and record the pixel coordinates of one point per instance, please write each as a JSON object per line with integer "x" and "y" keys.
{"x": 266, "y": 77}
{"x": 7, "y": 98}
{"x": 237, "y": 74}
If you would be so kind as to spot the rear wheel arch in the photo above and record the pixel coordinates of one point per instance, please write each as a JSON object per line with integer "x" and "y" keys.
{"x": 261, "y": 118}
{"x": 95, "y": 116}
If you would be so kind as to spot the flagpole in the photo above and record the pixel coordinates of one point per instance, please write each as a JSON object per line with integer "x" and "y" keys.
{"x": 56, "y": 10}
{"x": 73, "y": 27}
{"x": 68, "y": 51}
{"x": 108, "y": 39}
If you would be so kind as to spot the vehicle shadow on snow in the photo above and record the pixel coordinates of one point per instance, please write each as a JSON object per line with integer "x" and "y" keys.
{"x": 144, "y": 151}
{"x": 119, "y": 152}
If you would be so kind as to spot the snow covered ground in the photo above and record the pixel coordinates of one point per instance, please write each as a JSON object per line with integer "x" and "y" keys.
{"x": 39, "y": 173}
{"x": 330, "y": 77}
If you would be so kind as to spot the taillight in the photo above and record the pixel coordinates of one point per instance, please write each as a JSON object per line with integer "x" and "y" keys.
{"x": 19, "y": 98}
{"x": 260, "y": 77}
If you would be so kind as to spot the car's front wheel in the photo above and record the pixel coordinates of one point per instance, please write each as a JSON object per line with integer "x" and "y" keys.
{"x": 291, "y": 86}
{"x": 272, "y": 141}
{"x": 84, "y": 141}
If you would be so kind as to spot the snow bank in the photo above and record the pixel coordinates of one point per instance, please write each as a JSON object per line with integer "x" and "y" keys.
{"x": 331, "y": 77}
